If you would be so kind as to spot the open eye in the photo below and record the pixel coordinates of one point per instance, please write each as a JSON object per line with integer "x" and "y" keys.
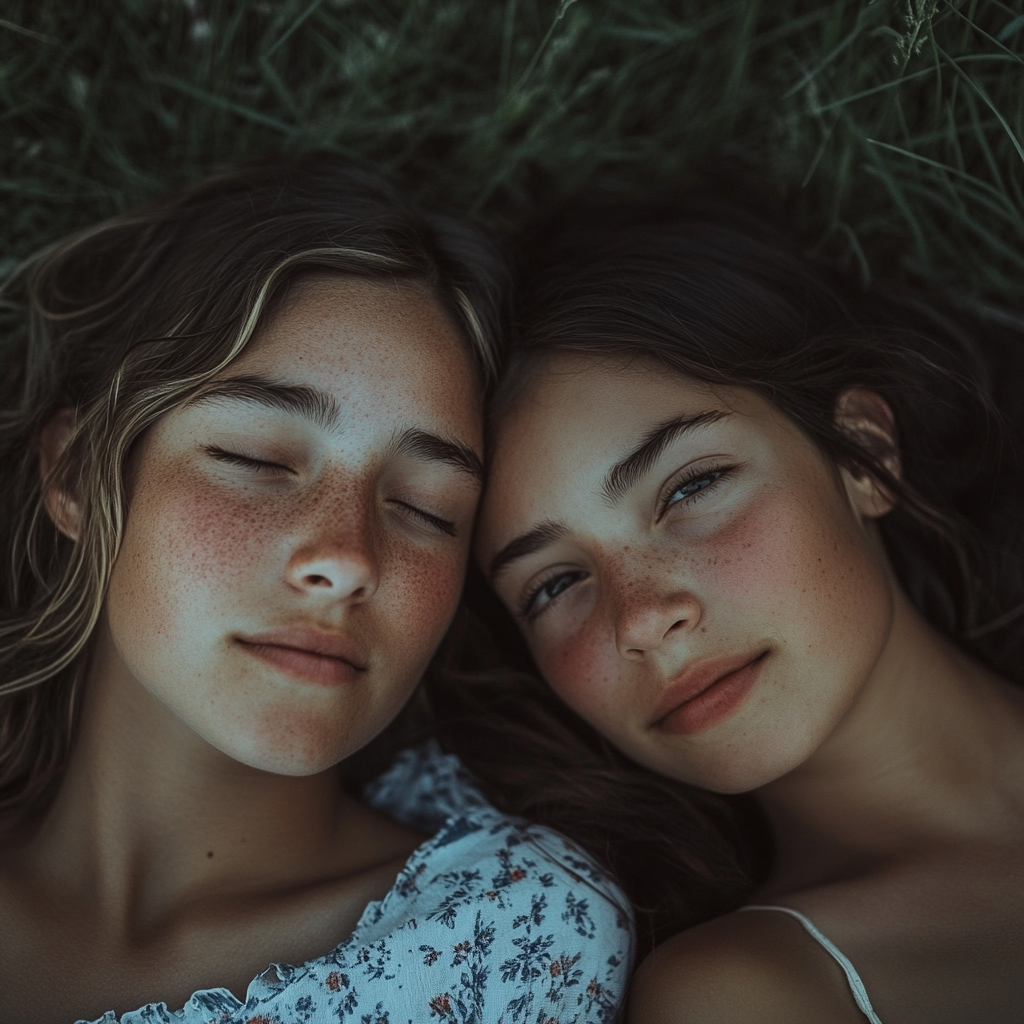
{"x": 692, "y": 485}
{"x": 246, "y": 462}
{"x": 542, "y": 595}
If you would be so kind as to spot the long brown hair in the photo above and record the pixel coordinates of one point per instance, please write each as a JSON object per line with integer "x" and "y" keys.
{"x": 127, "y": 320}
{"x": 707, "y": 290}
{"x": 702, "y": 288}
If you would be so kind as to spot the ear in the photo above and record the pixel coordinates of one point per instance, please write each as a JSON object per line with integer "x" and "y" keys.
{"x": 61, "y": 506}
{"x": 865, "y": 417}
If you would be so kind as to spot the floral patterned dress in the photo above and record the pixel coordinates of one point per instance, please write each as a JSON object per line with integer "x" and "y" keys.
{"x": 491, "y": 921}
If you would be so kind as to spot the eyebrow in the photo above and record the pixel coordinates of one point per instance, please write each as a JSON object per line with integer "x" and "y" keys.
{"x": 628, "y": 471}
{"x": 323, "y": 410}
{"x": 419, "y": 444}
{"x": 310, "y": 403}
{"x": 526, "y": 544}
{"x": 619, "y": 479}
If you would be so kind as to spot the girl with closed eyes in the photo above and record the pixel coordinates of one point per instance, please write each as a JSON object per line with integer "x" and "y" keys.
{"x": 241, "y": 457}
{"x": 761, "y": 529}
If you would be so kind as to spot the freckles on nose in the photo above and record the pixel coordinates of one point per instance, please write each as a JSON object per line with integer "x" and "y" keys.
{"x": 632, "y": 575}
{"x": 332, "y": 539}
{"x": 339, "y": 501}
{"x": 337, "y": 513}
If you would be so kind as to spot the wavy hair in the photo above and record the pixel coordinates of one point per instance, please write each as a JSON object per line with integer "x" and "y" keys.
{"x": 126, "y": 321}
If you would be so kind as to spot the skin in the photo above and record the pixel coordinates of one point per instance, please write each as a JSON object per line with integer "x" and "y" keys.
{"x": 200, "y": 832}
{"x": 891, "y": 766}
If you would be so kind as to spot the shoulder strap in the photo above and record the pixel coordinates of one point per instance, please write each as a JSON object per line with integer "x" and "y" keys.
{"x": 860, "y": 994}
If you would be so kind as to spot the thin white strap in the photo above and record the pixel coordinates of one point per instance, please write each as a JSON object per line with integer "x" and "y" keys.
{"x": 860, "y": 994}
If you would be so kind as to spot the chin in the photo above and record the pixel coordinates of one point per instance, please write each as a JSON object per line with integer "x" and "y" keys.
{"x": 285, "y": 760}
{"x": 734, "y": 778}
{"x": 297, "y": 764}
{"x": 737, "y": 767}
{"x": 295, "y": 748}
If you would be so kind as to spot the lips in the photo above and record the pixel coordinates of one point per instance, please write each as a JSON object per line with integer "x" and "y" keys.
{"x": 708, "y": 693}
{"x": 308, "y": 654}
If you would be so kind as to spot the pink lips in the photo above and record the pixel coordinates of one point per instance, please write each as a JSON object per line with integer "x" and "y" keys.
{"x": 308, "y": 654}
{"x": 708, "y": 693}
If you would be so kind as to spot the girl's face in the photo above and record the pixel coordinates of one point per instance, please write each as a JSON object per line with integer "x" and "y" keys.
{"x": 297, "y": 534}
{"x": 691, "y": 574}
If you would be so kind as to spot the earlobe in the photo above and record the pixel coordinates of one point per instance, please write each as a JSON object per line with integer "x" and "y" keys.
{"x": 865, "y": 417}
{"x": 61, "y": 506}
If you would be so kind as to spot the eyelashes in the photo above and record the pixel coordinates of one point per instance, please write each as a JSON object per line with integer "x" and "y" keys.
{"x": 551, "y": 588}
{"x": 692, "y": 485}
{"x": 245, "y": 461}
{"x": 444, "y": 525}
{"x": 261, "y": 466}
{"x": 687, "y": 488}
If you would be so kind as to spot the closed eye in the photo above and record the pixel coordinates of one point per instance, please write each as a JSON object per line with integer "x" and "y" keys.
{"x": 444, "y": 525}
{"x": 245, "y": 461}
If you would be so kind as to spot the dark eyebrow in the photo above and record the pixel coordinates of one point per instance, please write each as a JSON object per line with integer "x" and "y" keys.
{"x": 304, "y": 401}
{"x": 625, "y": 473}
{"x": 422, "y": 445}
{"x": 526, "y": 544}
{"x": 323, "y": 410}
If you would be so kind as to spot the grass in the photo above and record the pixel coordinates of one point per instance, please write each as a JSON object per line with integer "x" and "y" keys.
{"x": 893, "y": 130}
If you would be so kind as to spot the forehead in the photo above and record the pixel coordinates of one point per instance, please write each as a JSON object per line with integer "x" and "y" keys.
{"x": 578, "y": 416}
{"x": 581, "y": 412}
{"x": 379, "y": 345}
{"x": 611, "y": 393}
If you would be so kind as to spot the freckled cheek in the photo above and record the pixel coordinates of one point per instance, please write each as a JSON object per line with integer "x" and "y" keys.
{"x": 798, "y": 568}
{"x": 580, "y": 665}
{"x": 753, "y": 560}
{"x": 221, "y": 537}
{"x": 423, "y": 592}
{"x": 185, "y": 544}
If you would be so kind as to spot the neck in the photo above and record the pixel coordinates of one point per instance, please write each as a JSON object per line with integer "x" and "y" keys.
{"x": 929, "y": 754}
{"x": 150, "y": 815}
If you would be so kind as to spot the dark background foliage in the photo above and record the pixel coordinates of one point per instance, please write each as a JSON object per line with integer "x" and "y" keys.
{"x": 892, "y": 129}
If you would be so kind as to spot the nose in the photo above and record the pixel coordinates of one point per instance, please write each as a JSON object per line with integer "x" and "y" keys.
{"x": 337, "y": 565}
{"x": 646, "y": 619}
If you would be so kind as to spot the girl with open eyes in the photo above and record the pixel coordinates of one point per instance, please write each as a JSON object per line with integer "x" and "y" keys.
{"x": 761, "y": 529}
{"x": 241, "y": 456}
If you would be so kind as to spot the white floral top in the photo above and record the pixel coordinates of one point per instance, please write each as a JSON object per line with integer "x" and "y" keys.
{"x": 491, "y": 921}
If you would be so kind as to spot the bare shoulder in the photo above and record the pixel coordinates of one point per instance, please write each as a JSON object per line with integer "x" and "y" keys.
{"x": 744, "y": 968}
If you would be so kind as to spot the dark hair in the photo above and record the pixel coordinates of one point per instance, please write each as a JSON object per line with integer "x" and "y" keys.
{"x": 712, "y": 292}
{"x": 705, "y": 289}
{"x": 131, "y": 318}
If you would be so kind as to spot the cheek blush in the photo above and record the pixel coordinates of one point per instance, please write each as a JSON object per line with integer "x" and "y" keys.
{"x": 424, "y": 593}
{"x": 582, "y": 667}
